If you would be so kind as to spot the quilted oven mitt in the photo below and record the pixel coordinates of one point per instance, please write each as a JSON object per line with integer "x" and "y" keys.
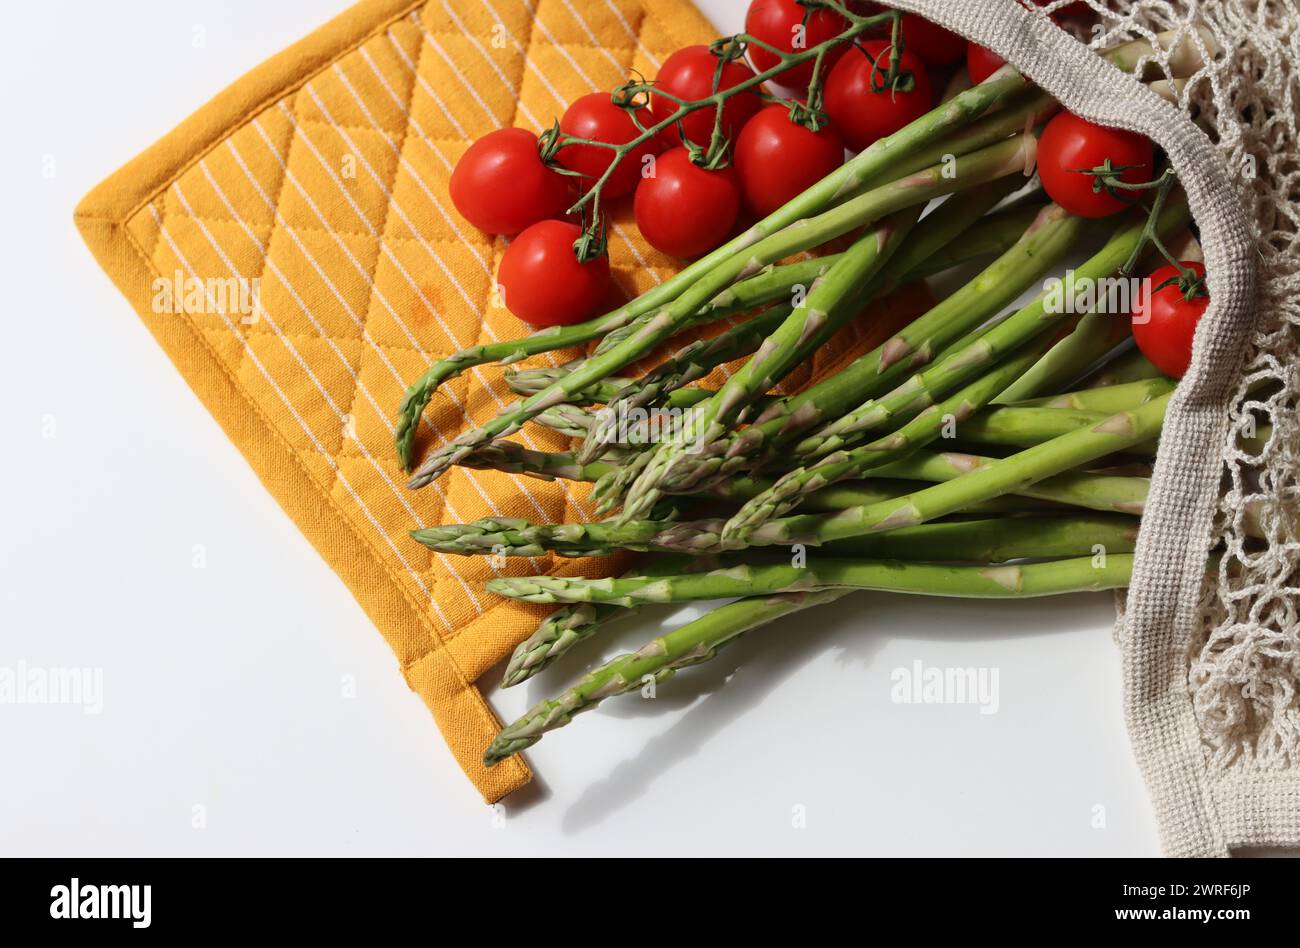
{"x": 316, "y": 186}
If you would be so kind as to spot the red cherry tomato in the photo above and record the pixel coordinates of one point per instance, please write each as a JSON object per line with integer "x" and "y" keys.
{"x": 1164, "y": 321}
{"x": 500, "y": 184}
{"x": 596, "y": 117}
{"x": 780, "y": 23}
{"x": 930, "y": 41}
{"x": 863, "y": 115}
{"x": 684, "y": 210}
{"x": 981, "y": 62}
{"x": 542, "y": 281}
{"x": 688, "y": 74}
{"x": 1069, "y": 143}
{"x": 777, "y": 159}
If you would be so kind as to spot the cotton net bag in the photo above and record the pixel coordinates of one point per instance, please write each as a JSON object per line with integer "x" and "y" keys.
{"x": 1211, "y": 655}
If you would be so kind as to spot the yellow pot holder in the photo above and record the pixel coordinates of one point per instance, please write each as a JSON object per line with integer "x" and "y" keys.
{"x": 316, "y": 186}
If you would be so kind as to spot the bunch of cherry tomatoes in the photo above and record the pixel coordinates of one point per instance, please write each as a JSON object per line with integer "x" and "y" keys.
{"x": 683, "y": 209}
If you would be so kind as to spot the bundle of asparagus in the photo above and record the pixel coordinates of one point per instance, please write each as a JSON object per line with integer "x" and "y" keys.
{"x": 975, "y": 452}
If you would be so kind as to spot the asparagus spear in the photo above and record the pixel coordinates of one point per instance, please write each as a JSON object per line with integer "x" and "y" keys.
{"x": 995, "y": 540}
{"x": 531, "y": 381}
{"x": 958, "y": 215}
{"x": 1022, "y": 427}
{"x": 1128, "y": 365}
{"x": 992, "y": 162}
{"x": 790, "y": 490}
{"x": 557, "y": 633}
{"x": 575, "y": 623}
{"x": 856, "y": 493}
{"x": 514, "y": 458}
{"x": 1040, "y": 247}
{"x": 566, "y": 419}
{"x": 771, "y": 284}
{"x": 1108, "y": 571}
{"x": 611, "y": 488}
{"x": 695, "y": 642}
{"x": 982, "y": 541}
{"x": 1103, "y": 492}
{"x": 1028, "y": 322}
{"x": 1107, "y": 398}
{"x": 1093, "y": 337}
{"x": 988, "y": 237}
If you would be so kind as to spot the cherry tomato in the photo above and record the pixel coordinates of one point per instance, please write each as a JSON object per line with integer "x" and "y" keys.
{"x": 930, "y": 41}
{"x": 981, "y": 62}
{"x": 596, "y": 117}
{"x": 684, "y": 210}
{"x": 780, "y": 23}
{"x": 862, "y": 115}
{"x": 688, "y": 74}
{"x": 1164, "y": 320}
{"x": 777, "y": 159}
{"x": 1069, "y": 143}
{"x": 500, "y": 184}
{"x": 542, "y": 281}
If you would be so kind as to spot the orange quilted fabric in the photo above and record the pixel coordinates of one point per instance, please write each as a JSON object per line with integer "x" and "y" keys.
{"x": 320, "y": 181}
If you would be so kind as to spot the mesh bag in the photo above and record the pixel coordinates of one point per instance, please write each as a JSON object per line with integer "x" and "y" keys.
{"x": 1211, "y": 659}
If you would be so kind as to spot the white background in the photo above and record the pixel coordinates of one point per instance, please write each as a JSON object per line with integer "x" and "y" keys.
{"x": 223, "y": 686}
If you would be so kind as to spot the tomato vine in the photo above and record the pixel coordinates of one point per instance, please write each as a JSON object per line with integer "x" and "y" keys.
{"x": 634, "y": 95}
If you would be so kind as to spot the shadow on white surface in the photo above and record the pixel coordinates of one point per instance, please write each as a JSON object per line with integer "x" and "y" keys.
{"x": 855, "y": 632}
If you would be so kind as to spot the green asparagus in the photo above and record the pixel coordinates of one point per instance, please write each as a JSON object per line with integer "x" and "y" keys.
{"x": 1127, "y": 365}
{"x": 1095, "y": 335}
{"x": 691, "y": 644}
{"x": 1115, "y": 433}
{"x": 957, "y": 317}
{"x": 830, "y": 301}
{"x": 790, "y": 490}
{"x": 1099, "y": 569}
{"x": 1107, "y": 398}
{"x": 1031, "y": 320}
{"x": 1000, "y": 476}
{"x": 566, "y": 627}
